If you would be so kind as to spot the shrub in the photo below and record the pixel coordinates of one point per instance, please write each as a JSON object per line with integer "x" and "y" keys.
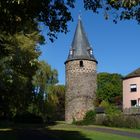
{"x": 122, "y": 121}
{"x": 88, "y": 119}
{"x": 132, "y": 121}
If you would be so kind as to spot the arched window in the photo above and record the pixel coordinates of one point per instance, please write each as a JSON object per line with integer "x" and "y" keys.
{"x": 81, "y": 64}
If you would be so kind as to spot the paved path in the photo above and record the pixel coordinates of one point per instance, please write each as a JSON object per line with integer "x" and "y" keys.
{"x": 113, "y": 131}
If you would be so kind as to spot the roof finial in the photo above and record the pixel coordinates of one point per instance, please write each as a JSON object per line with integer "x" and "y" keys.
{"x": 79, "y": 15}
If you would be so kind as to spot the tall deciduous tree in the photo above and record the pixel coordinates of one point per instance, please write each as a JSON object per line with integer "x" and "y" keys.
{"x": 57, "y": 91}
{"x": 109, "y": 87}
{"x": 18, "y": 63}
{"x": 19, "y": 36}
{"x": 44, "y": 77}
{"x": 43, "y": 101}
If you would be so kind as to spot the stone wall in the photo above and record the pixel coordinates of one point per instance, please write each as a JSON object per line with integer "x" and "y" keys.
{"x": 80, "y": 89}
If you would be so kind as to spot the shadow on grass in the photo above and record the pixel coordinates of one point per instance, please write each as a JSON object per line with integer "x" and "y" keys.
{"x": 40, "y": 134}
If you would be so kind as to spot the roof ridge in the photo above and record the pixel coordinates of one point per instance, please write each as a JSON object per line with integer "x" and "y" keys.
{"x": 135, "y": 73}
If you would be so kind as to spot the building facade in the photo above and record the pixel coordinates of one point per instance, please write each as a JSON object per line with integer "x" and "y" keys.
{"x": 81, "y": 76}
{"x": 131, "y": 90}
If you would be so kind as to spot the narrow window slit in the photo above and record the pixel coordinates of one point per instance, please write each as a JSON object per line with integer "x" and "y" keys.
{"x": 81, "y": 64}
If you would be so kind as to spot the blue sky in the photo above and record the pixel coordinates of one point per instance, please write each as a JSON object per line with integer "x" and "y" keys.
{"x": 115, "y": 46}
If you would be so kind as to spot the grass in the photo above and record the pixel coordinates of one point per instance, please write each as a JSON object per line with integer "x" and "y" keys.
{"x": 83, "y": 134}
{"x": 60, "y": 131}
{"x": 115, "y": 128}
{"x": 7, "y": 134}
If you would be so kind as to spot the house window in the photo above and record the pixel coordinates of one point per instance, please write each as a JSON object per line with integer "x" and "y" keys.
{"x": 133, "y": 102}
{"x": 81, "y": 64}
{"x": 133, "y": 87}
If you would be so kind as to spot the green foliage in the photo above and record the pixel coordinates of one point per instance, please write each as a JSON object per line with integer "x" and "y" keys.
{"x": 110, "y": 109}
{"x": 111, "y": 112}
{"x": 59, "y": 92}
{"x": 51, "y": 106}
{"x": 116, "y": 9}
{"x": 20, "y": 68}
{"x": 18, "y": 57}
{"x": 25, "y": 16}
{"x": 88, "y": 119}
{"x": 115, "y": 118}
{"x": 25, "y": 80}
{"x": 44, "y": 77}
{"x": 104, "y": 104}
{"x": 44, "y": 102}
{"x": 109, "y": 87}
{"x": 122, "y": 121}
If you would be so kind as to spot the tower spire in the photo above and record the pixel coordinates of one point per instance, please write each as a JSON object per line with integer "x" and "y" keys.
{"x": 80, "y": 45}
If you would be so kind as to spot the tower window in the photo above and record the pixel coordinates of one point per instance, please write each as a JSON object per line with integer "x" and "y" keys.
{"x": 71, "y": 52}
{"x": 91, "y": 52}
{"x": 81, "y": 64}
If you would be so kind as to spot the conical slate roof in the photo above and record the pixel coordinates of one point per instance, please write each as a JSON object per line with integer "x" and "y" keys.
{"x": 135, "y": 73}
{"x": 80, "y": 45}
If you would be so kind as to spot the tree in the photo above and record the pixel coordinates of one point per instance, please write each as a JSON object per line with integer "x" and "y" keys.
{"x": 18, "y": 63}
{"x": 43, "y": 101}
{"x": 117, "y": 9}
{"x": 58, "y": 91}
{"x": 25, "y": 16}
{"x": 109, "y": 87}
{"x": 19, "y": 52}
{"x": 19, "y": 39}
{"x": 44, "y": 77}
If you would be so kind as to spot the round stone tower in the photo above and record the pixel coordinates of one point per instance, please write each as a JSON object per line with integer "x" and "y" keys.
{"x": 80, "y": 77}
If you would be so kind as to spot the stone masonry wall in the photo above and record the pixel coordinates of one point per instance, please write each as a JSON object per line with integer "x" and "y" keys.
{"x": 80, "y": 89}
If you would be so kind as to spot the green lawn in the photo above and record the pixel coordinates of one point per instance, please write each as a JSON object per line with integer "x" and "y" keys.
{"x": 76, "y": 133}
{"x": 60, "y": 131}
{"x": 115, "y": 128}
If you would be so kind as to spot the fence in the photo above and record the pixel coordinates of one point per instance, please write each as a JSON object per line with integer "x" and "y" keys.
{"x": 132, "y": 110}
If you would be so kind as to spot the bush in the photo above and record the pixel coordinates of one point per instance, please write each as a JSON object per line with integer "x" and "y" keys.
{"x": 88, "y": 119}
{"x": 132, "y": 121}
{"x": 122, "y": 121}
{"x": 115, "y": 118}
{"x": 27, "y": 117}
